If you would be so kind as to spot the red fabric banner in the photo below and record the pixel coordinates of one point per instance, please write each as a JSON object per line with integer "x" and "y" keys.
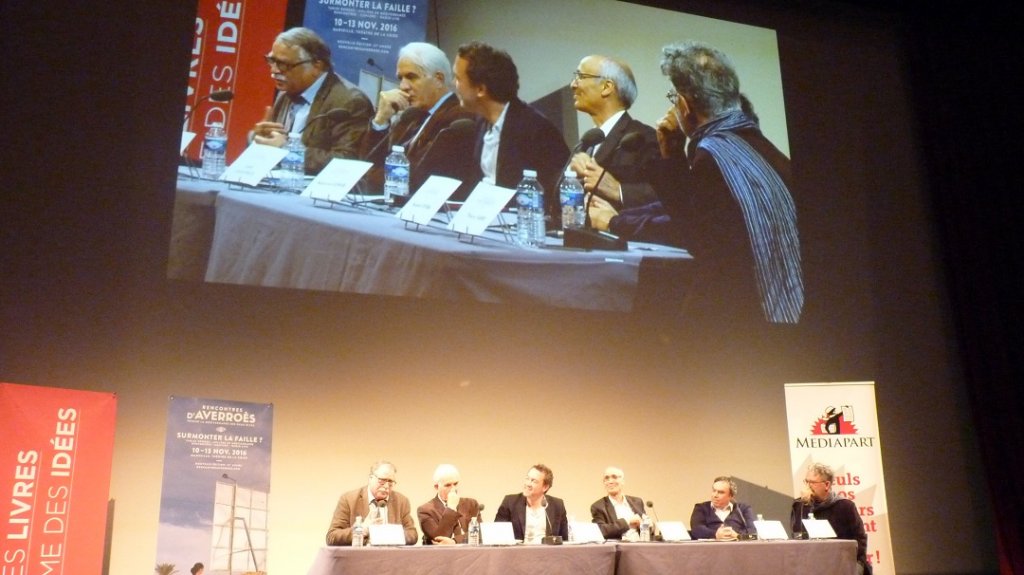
{"x": 55, "y": 478}
{"x": 231, "y": 39}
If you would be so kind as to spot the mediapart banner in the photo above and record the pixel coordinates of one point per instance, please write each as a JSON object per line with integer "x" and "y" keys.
{"x": 216, "y": 486}
{"x": 837, "y": 424}
{"x": 56, "y": 450}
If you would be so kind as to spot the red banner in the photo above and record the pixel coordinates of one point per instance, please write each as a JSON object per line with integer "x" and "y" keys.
{"x": 55, "y": 478}
{"x": 231, "y": 39}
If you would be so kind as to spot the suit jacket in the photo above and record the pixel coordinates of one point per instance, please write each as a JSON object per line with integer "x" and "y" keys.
{"x": 355, "y": 503}
{"x": 437, "y": 520}
{"x": 326, "y": 139}
{"x": 627, "y": 165}
{"x": 704, "y": 522}
{"x": 450, "y": 155}
{"x": 513, "y": 508}
{"x": 528, "y": 141}
{"x": 602, "y": 512}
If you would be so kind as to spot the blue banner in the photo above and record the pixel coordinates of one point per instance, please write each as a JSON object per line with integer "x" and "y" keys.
{"x": 365, "y": 36}
{"x": 216, "y": 485}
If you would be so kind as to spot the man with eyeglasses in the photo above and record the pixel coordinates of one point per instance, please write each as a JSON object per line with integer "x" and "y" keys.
{"x": 617, "y": 514}
{"x": 604, "y": 89}
{"x": 377, "y": 503}
{"x": 533, "y": 513}
{"x": 301, "y": 68}
{"x": 417, "y": 115}
{"x": 724, "y": 195}
{"x": 445, "y": 518}
{"x": 818, "y": 499}
{"x": 513, "y": 136}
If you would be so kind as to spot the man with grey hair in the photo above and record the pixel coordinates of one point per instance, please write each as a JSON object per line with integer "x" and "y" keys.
{"x": 604, "y": 89}
{"x": 376, "y": 503}
{"x": 818, "y": 499}
{"x": 445, "y": 518}
{"x": 421, "y": 115}
{"x": 724, "y": 195}
{"x": 300, "y": 65}
{"x": 722, "y": 517}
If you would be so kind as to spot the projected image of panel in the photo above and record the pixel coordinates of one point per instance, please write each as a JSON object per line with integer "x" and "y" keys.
{"x": 715, "y": 235}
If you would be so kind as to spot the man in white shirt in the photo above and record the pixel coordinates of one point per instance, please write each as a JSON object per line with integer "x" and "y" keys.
{"x": 617, "y": 513}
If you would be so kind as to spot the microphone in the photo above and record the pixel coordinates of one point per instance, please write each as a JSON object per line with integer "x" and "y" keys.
{"x": 479, "y": 513}
{"x": 591, "y": 138}
{"x": 217, "y": 96}
{"x": 416, "y": 117}
{"x": 457, "y": 129}
{"x": 650, "y": 505}
{"x": 370, "y": 62}
{"x": 334, "y": 115}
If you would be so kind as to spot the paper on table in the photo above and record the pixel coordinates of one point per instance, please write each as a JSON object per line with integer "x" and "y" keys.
{"x": 422, "y": 206}
{"x": 253, "y": 164}
{"x": 481, "y": 208}
{"x": 186, "y": 139}
{"x": 337, "y": 179}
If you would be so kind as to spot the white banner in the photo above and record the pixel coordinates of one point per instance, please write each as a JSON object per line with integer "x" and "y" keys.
{"x": 836, "y": 424}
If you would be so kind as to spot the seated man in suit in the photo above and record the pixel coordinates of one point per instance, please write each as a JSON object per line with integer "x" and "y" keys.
{"x": 533, "y": 513}
{"x": 723, "y": 517}
{"x": 605, "y": 89}
{"x": 512, "y": 136}
{"x": 376, "y": 503}
{"x": 300, "y": 65}
{"x": 617, "y": 513}
{"x": 419, "y": 115}
{"x": 445, "y": 518}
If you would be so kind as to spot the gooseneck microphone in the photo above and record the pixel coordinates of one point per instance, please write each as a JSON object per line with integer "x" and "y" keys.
{"x": 334, "y": 115}
{"x": 216, "y": 96}
{"x": 591, "y": 138}
{"x": 457, "y": 129}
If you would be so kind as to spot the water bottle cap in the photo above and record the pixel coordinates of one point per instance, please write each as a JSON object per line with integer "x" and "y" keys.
{"x": 569, "y": 173}
{"x": 294, "y": 134}
{"x": 398, "y": 149}
{"x": 529, "y": 173}
{"x": 216, "y": 125}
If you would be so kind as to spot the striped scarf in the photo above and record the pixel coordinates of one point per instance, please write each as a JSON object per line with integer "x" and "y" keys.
{"x": 768, "y": 212}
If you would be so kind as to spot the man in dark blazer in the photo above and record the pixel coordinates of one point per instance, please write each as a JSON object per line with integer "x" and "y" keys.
{"x": 535, "y": 502}
{"x": 617, "y": 513}
{"x": 722, "y": 517}
{"x": 604, "y": 89}
{"x": 376, "y": 502}
{"x": 419, "y": 115}
{"x": 300, "y": 65}
{"x": 512, "y": 136}
{"x": 445, "y": 518}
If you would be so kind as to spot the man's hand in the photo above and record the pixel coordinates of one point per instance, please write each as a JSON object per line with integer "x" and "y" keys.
{"x": 670, "y": 133}
{"x": 389, "y": 103}
{"x": 453, "y": 500}
{"x": 601, "y": 214}
{"x": 726, "y": 533}
{"x": 634, "y": 521}
{"x": 269, "y": 133}
{"x": 443, "y": 540}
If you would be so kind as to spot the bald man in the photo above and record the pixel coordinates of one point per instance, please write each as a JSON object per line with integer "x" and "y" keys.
{"x": 616, "y": 513}
{"x": 445, "y": 518}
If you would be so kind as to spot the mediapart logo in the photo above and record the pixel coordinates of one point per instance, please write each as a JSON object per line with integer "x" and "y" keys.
{"x": 835, "y": 422}
{"x": 834, "y": 428}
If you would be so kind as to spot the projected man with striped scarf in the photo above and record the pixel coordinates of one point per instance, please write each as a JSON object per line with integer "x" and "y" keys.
{"x": 723, "y": 193}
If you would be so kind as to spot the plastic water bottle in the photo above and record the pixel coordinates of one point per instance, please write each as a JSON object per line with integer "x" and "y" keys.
{"x": 215, "y": 146}
{"x": 530, "y": 211}
{"x": 645, "y": 528}
{"x": 474, "y": 532}
{"x": 294, "y": 164}
{"x": 760, "y": 517}
{"x": 396, "y": 174}
{"x": 358, "y": 535}
{"x": 572, "y": 535}
{"x": 570, "y": 192}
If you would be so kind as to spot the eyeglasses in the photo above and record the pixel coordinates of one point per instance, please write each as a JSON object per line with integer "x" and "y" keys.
{"x": 282, "y": 66}
{"x": 810, "y": 482}
{"x": 382, "y": 481}
{"x": 577, "y": 76}
{"x": 672, "y": 96}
